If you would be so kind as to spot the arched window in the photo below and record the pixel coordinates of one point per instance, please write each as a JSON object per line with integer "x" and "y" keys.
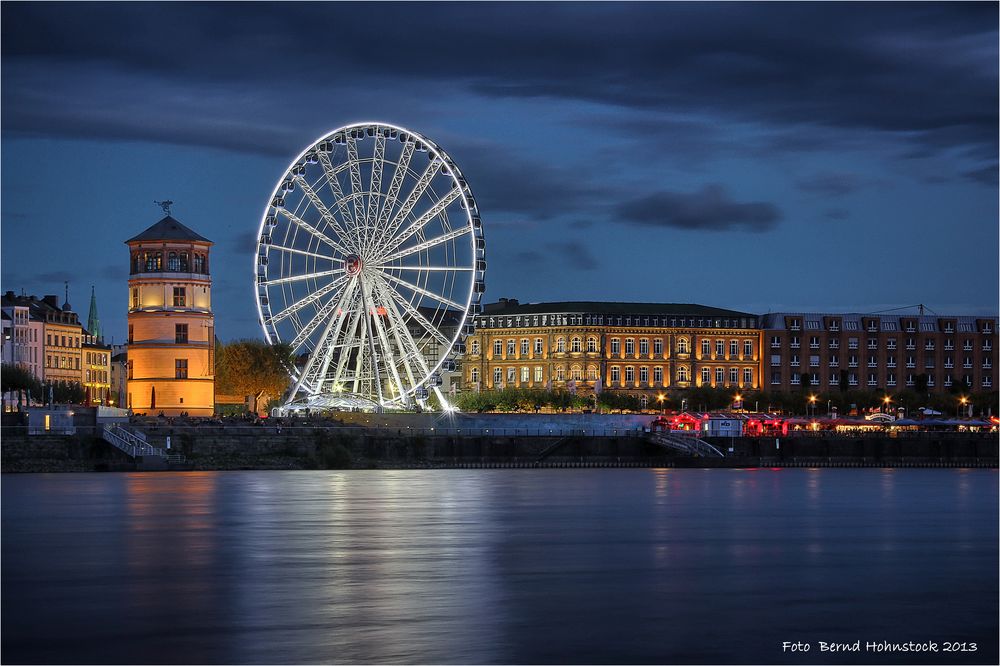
{"x": 173, "y": 262}
{"x": 591, "y": 373}
{"x": 136, "y": 263}
{"x": 560, "y": 373}
{"x": 185, "y": 265}
{"x": 560, "y": 344}
{"x": 591, "y": 345}
{"x": 644, "y": 400}
{"x": 199, "y": 263}
{"x": 682, "y": 346}
{"x": 683, "y": 374}
{"x": 474, "y": 349}
{"x": 575, "y": 344}
{"x": 576, "y": 373}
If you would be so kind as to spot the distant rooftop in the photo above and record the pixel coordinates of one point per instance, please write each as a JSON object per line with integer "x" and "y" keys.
{"x": 168, "y": 229}
{"x": 513, "y": 307}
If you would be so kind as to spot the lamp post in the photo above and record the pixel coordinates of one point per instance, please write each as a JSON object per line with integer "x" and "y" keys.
{"x": 737, "y": 400}
{"x": 961, "y": 402}
{"x": 812, "y": 404}
{"x": 659, "y": 399}
{"x": 886, "y": 401}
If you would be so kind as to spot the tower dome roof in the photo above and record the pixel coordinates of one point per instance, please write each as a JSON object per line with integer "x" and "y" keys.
{"x": 168, "y": 229}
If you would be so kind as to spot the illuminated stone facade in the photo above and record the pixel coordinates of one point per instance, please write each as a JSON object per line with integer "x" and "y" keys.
{"x": 171, "y": 328}
{"x": 636, "y": 348}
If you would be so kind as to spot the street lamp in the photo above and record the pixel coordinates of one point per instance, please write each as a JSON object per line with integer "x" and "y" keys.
{"x": 659, "y": 398}
{"x": 885, "y": 403}
{"x": 962, "y": 402}
{"x": 737, "y": 400}
{"x": 812, "y": 404}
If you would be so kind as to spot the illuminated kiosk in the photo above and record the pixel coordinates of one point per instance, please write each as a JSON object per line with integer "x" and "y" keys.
{"x": 370, "y": 264}
{"x": 171, "y": 328}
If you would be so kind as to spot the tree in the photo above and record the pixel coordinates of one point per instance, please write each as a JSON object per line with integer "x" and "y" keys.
{"x": 252, "y": 368}
{"x": 15, "y": 379}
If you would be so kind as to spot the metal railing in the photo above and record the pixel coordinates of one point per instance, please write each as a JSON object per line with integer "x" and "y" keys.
{"x": 132, "y": 445}
{"x": 686, "y": 443}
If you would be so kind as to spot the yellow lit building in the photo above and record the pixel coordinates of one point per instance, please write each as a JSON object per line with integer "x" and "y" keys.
{"x": 171, "y": 328}
{"x": 63, "y": 341}
{"x": 636, "y": 348}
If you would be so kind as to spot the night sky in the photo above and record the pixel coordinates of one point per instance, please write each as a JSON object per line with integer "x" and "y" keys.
{"x": 758, "y": 157}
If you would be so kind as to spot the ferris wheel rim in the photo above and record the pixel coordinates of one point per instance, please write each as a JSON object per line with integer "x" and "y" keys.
{"x": 470, "y": 294}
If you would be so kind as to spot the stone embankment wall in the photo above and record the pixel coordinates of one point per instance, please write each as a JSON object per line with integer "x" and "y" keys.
{"x": 313, "y": 447}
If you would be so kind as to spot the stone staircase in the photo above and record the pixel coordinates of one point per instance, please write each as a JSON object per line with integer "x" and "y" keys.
{"x": 133, "y": 444}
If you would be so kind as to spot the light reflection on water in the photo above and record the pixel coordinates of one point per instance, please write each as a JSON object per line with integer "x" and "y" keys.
{"x": 501, "y": 566}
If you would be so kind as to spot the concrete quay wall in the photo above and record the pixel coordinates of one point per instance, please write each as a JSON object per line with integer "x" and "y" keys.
{"x": 259, "y": 447}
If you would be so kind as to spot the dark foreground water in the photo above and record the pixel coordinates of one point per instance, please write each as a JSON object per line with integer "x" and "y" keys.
{"x": 503, "y": 566}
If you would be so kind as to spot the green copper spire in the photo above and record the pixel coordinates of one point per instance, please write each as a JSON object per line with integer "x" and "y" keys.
{"x": 93, "y": 321}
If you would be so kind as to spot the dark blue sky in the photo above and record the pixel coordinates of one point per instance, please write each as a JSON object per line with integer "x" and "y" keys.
{"x": 757, "y": 157}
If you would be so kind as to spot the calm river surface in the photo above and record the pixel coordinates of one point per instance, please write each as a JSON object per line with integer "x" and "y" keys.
{"x": 497, "y": 566}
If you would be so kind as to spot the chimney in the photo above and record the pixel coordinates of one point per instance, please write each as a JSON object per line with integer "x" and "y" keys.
{"x": 51, "y": 299}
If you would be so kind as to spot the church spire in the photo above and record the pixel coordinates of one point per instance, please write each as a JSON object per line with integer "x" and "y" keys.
{"x": 93, "y": 321}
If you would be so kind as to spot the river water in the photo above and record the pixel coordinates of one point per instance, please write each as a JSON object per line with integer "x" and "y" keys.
{"x": 498, "y": 566}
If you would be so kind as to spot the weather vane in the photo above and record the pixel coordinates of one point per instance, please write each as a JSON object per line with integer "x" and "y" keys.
{"x": 165, "y": 205}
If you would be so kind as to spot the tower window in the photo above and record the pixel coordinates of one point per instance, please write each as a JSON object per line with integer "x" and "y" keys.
{"x": 173, "y": 262}
{"x": 179, "y": 297}
{"x": 181, "y": 334}
{"x": 181, "y": 368}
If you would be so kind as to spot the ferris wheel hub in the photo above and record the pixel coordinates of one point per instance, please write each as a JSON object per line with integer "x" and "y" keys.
{"x": 353, "y": 264}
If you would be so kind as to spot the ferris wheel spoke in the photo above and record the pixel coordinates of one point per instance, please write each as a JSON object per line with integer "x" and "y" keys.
{"x": 349, "y": 334}
{"x": 416, "y": 315}
{"x": 293, "y": 250}
{"x": 426, "y": 245}
{"x": 333, "y": 182}
{"x": 305, "y": 276}
{"x": 316, "y": 354}
{"x": 396, "y": 322}
{"x": 317, "y": 202}
{"x": 321, "y": 316}
{"x": 388, "y": 360}
{"x": 392, "y": 196}
{"x": 305, "y": 226}
{"x": 362, "y": 343}
{"x": 418, "y": 191}
{"x": 311, "y": 298}
{"x": 422, "y": 221}
{"x": 404, "y": 337}
{"x": 375, "y": 191}
{"x": 420, "y": 290}
{"x": 357, "y": 190}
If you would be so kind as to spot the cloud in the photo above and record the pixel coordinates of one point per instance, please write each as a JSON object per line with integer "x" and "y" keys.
{"x": 710, "y": 209}
{"x": 558, "y": 255}
{"x": 986, "y": 175}
{"x": 830, "y": 184}
{"x": 229, "y": 77}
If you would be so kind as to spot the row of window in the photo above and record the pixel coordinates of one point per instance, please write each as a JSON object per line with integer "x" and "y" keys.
{"x": 576, "y": 345}
{"x": 180, "y": 334}
{"x": 872, "y": 343}
{"x": 180, "y": 368}
{"x": 179, "y": 297}
{"x": 517, "y": 321}
{"x": 97, "y": 358}
{"x": 62, "y": 362}
{"x": 615, "y": 374}
{"x": 97, "y": 376}
{"x": 833, "y": 360}
{"x": 177, "y": 262}
{"x": 62, "y": 340}
{"x": 890, "y": 380}
{"x": 873, "y": 326}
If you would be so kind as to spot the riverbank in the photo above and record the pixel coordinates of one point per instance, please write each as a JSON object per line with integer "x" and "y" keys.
{"x": 339, "y": 447}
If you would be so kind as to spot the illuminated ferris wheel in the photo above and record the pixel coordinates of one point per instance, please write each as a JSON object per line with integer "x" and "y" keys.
{"x": 370, "y": 263}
